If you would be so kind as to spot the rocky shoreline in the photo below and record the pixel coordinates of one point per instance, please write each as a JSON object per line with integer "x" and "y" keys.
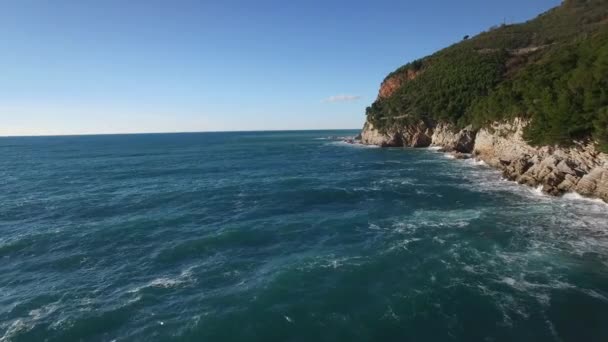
{"x": 558, "y": 170}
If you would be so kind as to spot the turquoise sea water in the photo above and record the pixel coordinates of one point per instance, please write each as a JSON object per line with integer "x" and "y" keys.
{"x": 286, "y": 236}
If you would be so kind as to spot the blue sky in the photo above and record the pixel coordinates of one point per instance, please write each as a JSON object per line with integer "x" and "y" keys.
{"x": 75, "y": 67}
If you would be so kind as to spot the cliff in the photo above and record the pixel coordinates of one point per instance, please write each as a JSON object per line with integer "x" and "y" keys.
{"x": 396, "y": 81}
{"x": 580, "y": 168}
{"x": 529, "y": 99}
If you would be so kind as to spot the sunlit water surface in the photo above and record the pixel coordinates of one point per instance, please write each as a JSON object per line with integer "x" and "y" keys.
{"x": 287, "y": 236}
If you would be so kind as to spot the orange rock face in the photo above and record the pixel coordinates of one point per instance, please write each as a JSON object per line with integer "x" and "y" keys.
{"x": 391, "y": 84}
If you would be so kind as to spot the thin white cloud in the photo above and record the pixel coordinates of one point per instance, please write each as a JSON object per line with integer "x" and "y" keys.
{"x": 341, "y": 98}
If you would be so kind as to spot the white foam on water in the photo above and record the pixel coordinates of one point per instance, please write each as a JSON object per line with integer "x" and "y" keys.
{"x": 373, "y": 226}
{"x": 25, "y": 324}
{"x": 438, "y": 240}
{"x": 535, "y": 272}
{"x": 595, "y": 294}
{"x": 398, "y": 181}
{"x": 550, "y": 233}
{"x": 434, "y": 148}
{"x": 403, "y": 244}
{"x": 427, "y": 193}
{"x": 509, "y": 281}
{"x": 167, "y": 282}
{"x": 445, "y": 218}
{"x": 17, "y": 326}
{"x": 573, "y": 196}
{"x": 538, "y": 191}
{"x": 333, "y": 262}
{"x": 354, "y": 145}
{"x": 367, "y": 188}
{"x": 491, "y": 180}
{"x": 475, "y": 162}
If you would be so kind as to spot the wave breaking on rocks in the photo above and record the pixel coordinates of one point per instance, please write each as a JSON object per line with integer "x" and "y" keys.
{"x": 557, "y": 170}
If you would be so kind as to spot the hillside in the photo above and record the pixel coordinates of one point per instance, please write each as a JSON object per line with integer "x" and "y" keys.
{"x": 551, "y": 71}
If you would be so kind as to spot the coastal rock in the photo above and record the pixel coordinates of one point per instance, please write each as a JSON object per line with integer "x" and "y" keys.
{"x": 580, "y": 168}
{"x": 415, "y": 135}
{"x": 372, "y": 136}
{"x": 595, "y": 183}
{"x": 557, "y": 169}
{"x": 452, "y": 139}
{"x": 502, "y": 142}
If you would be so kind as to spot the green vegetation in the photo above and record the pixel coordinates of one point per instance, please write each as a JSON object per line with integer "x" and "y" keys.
{"x": 565, "y": 94}
{"x": 552, "y": 70}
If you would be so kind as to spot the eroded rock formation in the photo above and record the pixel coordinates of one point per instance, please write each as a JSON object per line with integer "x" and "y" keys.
{"x": 580, "y": 168}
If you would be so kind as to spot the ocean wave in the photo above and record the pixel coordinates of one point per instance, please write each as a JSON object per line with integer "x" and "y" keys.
{"x": 25, "y": 324}
{"x": 353, "y": 145}
{"x": 372, "y": 188}
{"x": 14, "y": 328}
{"x": 535, "y": 272}
{"x": 491, "y": 180}
{"x": 341, "y": 138}
{"x": 185, "y": 277}
{"x": 403, "y": 244}
{"x": 475, "y": 162}
{"x": 396, "y": 181}
{"x": 445, "y": 218}
{"x": 331, "y": 261}
{"x": 285, "y": 225}
{"x": 573, "y": 196}
{"x": 427, "y": 193}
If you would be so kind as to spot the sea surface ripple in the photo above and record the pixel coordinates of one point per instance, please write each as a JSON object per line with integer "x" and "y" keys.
{"x": 287, "y": 236}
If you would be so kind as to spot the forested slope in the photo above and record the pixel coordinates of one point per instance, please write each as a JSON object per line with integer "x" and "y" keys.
{"x": 552, "y": 70}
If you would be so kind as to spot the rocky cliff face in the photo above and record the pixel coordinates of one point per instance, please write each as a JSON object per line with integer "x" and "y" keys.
{"x": 453, "y": 140}
{"x": 414, "y": 135}
{"x": 558, "y": 170}
{"x": 391, "y": 84}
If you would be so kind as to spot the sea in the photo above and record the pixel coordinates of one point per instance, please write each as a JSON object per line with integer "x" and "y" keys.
{"x": 287, "y": 236}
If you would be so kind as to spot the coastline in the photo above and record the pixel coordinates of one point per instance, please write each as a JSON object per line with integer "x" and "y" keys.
{"x": 580, "y": 169}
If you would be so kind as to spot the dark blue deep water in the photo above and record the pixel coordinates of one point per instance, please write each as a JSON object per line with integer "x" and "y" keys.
{"x": 286, "y": 236}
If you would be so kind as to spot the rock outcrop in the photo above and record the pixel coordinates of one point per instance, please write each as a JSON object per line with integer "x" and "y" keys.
{"x": 394, "y": 82}
{"x": 580, "y": 168}
{"x": 452, "y": 139}
{"x": 414, "y": 135}
{"x": 372, "y": 136}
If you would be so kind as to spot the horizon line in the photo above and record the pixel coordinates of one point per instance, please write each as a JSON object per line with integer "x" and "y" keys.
{"x": 178, "y": 132}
